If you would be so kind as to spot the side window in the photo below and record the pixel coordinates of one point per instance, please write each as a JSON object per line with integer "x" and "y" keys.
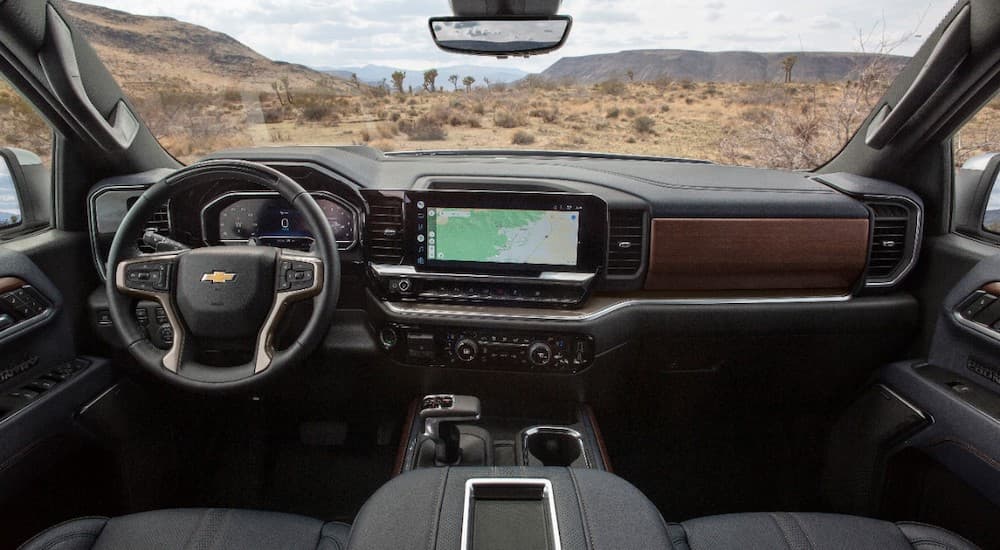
{"x": 25, "y": 165}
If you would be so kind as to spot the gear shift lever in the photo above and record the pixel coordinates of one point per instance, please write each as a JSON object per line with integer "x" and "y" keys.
{"x": 440, "y": 414}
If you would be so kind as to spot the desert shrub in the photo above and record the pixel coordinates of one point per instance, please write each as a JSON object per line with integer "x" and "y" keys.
{"x": 395, "y": 116}
{"x": 232, "y": 95}
{"x": 273, "y": 115}
{"x": 611, "y": 87}
{"x": 547, "y": 115}
{"x": 538, "y": 82}
{"x": 386, "y": 130}
{"x": 479, "y": 108}
{"x": 508, "y": 117}
{"x": 316, "y": 112}
{"x": 690, "y": 100}
{"x": 522, "y": 138}
{"x": 614, "y": 112}
{"x": 630, "y": 112}
{"x": 661, "y": 83}
{"x": 366, "y": 135}
{"x": 474, "y": 122}
{"x": 687, "y": 84}
{"x": 664, "y": 108}
{"x": 423, "y": 129}
{"x": 644, "y": 125}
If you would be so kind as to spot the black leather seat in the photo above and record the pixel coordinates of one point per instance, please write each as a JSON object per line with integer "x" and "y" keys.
{"x": 809, "y": 532}
{"x": 195, "y": 528}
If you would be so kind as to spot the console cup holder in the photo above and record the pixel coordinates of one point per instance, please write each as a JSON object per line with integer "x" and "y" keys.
{"x": 553, "y": 446}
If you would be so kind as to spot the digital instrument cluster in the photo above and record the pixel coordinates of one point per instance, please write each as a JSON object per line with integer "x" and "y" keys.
{"x": 267, "y": 218}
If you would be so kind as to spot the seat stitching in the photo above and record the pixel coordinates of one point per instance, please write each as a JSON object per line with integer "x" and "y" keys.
{"x": 432, "y": 538}
{"x": 679, "y": 538}
{"x": 803, "y": 529}
{"x": 69, "y": 536}
{"x": 921, "y": 524}
{"x": 583, "y": 510}
{"x": 781, "y": 530}
{"x": 930, "y": 542}
{"x": 28, "y": 542}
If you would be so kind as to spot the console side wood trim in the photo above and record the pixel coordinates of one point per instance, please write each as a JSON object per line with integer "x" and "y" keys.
{"x": 10, "y": 283}
{"x": 757, "y": 253}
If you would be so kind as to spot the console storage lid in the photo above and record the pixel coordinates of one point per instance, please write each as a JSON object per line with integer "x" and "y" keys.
{"x": 425, "y": 509}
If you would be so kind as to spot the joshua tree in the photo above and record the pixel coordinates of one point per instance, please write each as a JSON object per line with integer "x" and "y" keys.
{"x": 397, "y": 80}
{"x": 288, "y": 89}
{"x": 355, "y": 81}
{"x": 487, "y": 82}
{"x": 788, "y": 64}
{"x": 429, "y": 77}
{"x": 468, "y": 82}
{"x": 277, "y": 92}
{"x": 454, "y": 81}
{"x": 630, "y": 74}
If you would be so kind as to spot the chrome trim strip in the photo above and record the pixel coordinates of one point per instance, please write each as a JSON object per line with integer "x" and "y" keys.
{"x": 904, "y": 401}
{"x": 324, "y": 194}
{"x": 917, "y": 240}
{"x": 547, "y": 494}
{"x": 386, "y": 270}
{"x": 476, "y": 312}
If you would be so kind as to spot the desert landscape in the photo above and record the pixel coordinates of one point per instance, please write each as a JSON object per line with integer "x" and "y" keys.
{"x": 202, "y": 91}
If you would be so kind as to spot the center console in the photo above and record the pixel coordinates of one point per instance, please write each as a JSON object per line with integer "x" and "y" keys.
{"x": 459, "y": 430}
{"x": 505, "y": 508}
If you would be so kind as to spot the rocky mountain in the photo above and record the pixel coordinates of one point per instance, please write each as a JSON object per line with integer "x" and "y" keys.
{"x": 373, "y": 74}
{"x": 715, "y": 66}
{"x": 143, "y": 51}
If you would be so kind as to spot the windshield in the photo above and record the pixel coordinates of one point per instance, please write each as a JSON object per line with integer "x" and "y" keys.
{"x": 779, "y": 83}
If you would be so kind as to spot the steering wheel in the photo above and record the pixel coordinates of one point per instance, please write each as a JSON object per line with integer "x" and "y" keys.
{"x": 227, "y": 294}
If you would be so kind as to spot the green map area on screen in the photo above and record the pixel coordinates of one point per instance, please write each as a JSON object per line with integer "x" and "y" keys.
{"x": 502, "y": 236}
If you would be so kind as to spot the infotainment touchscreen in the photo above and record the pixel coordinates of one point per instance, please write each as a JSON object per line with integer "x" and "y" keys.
{"x": 493, "y": 235}
{"x": 501, "y": 232}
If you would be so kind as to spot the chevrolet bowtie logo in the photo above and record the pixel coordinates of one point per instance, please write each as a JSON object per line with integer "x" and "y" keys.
{"x": 217, "y": 277}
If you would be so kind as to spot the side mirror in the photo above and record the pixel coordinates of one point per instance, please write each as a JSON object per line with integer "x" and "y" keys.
{"x": 504, "y": 36}
{"x": 25, "y": 192}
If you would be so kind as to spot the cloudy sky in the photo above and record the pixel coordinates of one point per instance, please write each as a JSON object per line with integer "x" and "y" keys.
{"x": 339, "y": 33}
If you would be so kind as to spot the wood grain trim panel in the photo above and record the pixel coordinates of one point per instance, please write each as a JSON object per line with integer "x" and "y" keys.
{"x": 757, "y": 253}
{"x": 10, "y": 283}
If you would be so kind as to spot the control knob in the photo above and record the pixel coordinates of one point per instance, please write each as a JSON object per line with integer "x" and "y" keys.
{"x": 540, "y": 354}
{"x": 466, "y": 350}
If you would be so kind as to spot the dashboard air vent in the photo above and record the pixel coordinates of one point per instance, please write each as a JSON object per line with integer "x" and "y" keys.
{"x": 384, "y": 230}
{"x": 625, "y": 234}
{"x": 889, "y": 237}
{"x": 158, "y": 222}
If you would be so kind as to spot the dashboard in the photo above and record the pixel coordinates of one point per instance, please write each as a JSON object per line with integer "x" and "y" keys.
{"x": 450, "y": 259}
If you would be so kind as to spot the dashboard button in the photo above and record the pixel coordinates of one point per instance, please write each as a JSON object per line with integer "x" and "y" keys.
{"x": 540, "y": 354}
{"x": 466, "y": 350}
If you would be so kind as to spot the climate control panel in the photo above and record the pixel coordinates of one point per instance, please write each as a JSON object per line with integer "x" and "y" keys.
{"x": 463, "y": 348}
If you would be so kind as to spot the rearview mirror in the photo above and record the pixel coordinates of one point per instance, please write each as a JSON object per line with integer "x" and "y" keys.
{"x": 501, "y": 36}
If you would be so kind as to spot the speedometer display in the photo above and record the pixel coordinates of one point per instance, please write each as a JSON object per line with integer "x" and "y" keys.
{"x": 271, "y": 220}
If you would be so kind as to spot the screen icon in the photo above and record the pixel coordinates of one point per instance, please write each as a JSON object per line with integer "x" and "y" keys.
{"x": 420, "y": 205}
{"x": 431, "y": 212}
{"x": 420, "y": 238}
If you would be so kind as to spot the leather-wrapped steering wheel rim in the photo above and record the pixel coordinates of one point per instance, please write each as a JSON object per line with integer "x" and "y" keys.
{"x": 163, "y": 278}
